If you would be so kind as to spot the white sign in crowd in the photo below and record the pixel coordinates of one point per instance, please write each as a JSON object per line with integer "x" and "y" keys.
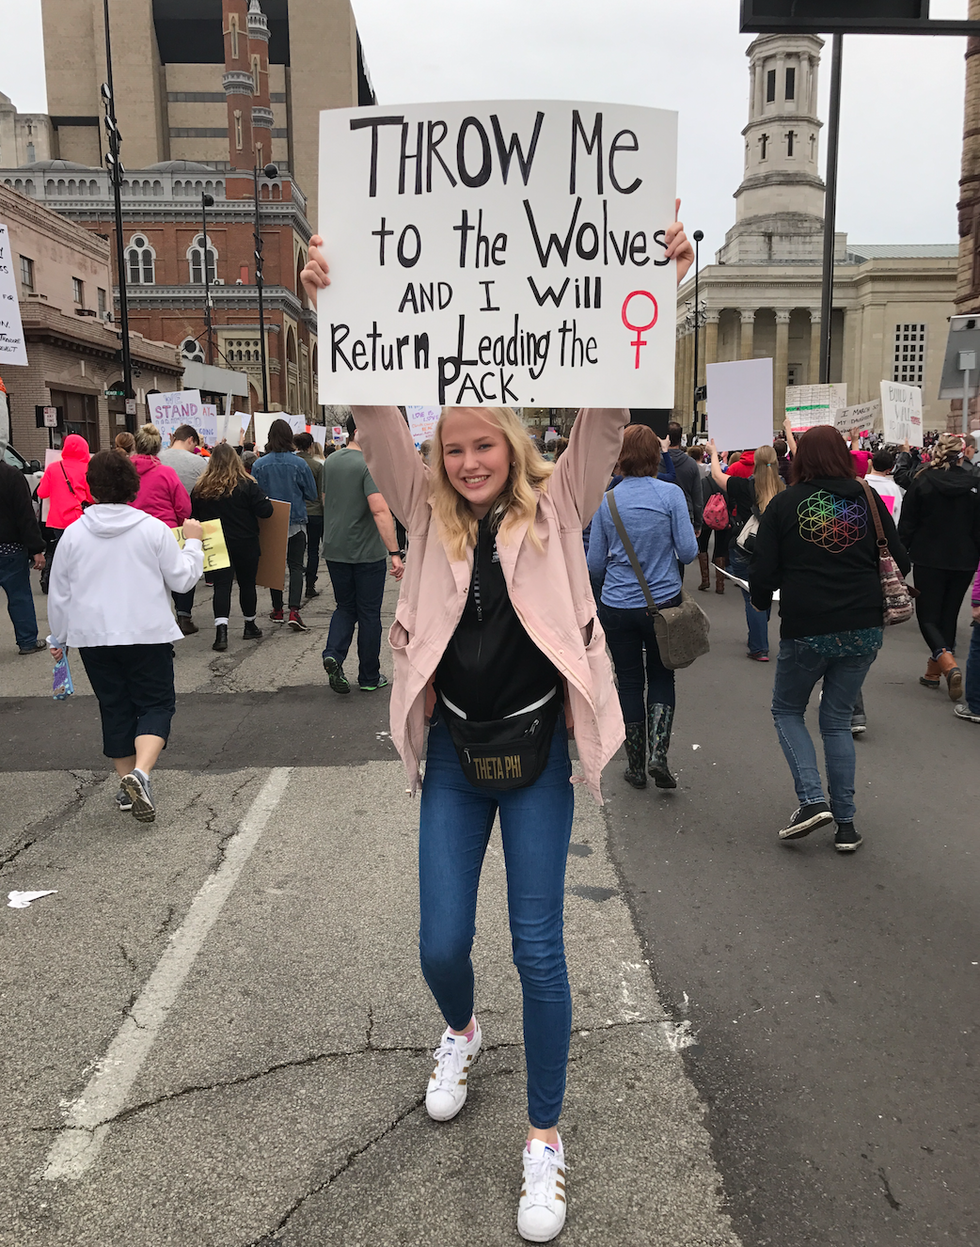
{"x": 487, "y": 254}
{"x": 12, "y": 348}
{"x": 901, "y": 413}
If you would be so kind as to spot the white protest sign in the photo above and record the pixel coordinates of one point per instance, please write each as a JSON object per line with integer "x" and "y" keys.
{"x": 740, "y": 404}
{"x": 336, "y": 433}
{"x": 319, "y": 434}
{"x": 12, "y": 348}
{"x": 263, "y": 422}
{"x": 807, "y": 405}
{"x": 246, "y": 419}
{"x": 169, "y": 411}
{"x": 901, "y": 413}
{"x": 487, "y": 254}
{"x": 422, "y": 423}
{"x": 862, "y": 416}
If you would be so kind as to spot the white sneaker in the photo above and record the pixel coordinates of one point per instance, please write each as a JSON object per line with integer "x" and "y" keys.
{"x": 446, "y": 1093}
{"x": 541, "y": 1212}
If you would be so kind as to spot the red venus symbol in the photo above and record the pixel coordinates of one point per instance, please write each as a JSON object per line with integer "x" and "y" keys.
{"x": 639, "y": 330}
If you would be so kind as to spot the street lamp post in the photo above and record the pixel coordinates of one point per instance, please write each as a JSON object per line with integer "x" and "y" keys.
{"x": 115, "y": 177}
{"x": 698, "y": 237}
{"x": 270, "y": 171}
{"x": 207, "y": 201}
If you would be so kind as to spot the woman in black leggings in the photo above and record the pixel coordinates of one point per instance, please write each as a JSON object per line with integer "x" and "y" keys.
{"x": 940, "y": 528}
{"x": 227, "y": 493}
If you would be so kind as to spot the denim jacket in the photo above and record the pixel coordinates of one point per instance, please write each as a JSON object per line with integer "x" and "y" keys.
{"x": 285, "y": 477}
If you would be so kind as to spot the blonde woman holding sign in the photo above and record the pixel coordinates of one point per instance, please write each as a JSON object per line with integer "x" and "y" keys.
{"x": 497, "y": 647}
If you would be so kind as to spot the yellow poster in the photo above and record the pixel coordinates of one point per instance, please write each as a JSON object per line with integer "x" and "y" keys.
{"x": 213, "y": 545}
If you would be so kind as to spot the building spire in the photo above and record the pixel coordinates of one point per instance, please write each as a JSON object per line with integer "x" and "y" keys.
{"x": 238, "y": 83}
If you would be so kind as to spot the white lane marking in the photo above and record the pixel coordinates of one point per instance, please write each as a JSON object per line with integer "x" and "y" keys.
{"x": 88, "y": 1118}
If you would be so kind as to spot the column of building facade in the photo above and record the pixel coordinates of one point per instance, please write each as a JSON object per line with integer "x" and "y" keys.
{"x": 746, "y": 344}
{"x": 781, "y": 363}
{"x": 684, "y": 378}
{"x": 711, "y": 321}
{"x": 813, "y": 374}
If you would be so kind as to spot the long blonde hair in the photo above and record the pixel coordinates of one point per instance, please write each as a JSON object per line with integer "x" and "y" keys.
{"x": 768, "y": 483}
{"x": 518, "y": 501}
{"x": 222, "y": 475}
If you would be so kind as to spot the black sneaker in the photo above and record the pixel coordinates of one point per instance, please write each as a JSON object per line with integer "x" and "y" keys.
{"x": 806, "y": 819}
{"x": 335, "y": 675}
{"x": 373, "y": 688}
{"x": 124, "y": 801}
{"x": 33, "y": 649}
{"x": 847, "y": 839}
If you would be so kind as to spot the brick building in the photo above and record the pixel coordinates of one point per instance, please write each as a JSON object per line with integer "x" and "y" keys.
{"x": 72, "y": 343}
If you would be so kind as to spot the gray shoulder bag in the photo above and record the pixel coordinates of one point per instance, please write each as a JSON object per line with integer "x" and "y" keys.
{"x": 682, "y": 631}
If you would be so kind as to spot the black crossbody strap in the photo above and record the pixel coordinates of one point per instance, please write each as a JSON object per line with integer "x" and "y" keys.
{"x": 630, "y": 552}
{"x": 67, "y": 481}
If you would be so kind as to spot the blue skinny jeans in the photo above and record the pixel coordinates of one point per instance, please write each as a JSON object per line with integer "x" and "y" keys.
{"x": 15, "y": 580}
{"x": 535, "y": 826}
{"x": 798, "y": 669}
{"x": 758, "y": 623}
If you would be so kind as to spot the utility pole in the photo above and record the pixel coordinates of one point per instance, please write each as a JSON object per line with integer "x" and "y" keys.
{"x": 115, "y": 177}
{"x": 270, "y": 171}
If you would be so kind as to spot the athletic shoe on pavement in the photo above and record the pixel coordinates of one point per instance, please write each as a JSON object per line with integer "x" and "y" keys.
{"x": 33, "y": 649}
{"x": 847, "y": 839}
{"x": 382, "y": 682}
{"x": 140, "y": 791}
{"x": 446, "y": 1092}
{"x": 124, "y": 801}
{"x": 296, "y": 623}
{"x": 963, "y": 711}
{"x": 541, "y": 1211}
{"x": 806, "y": 819}
{"x": 276, "y": 616}
{"x": 759, "y": 656}
{"x": 859, "y": 724}
{"x": 335, "y": 675}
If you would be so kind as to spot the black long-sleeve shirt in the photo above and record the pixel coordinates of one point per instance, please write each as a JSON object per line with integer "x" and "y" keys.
{"x": 239, "y": 511}
{"x": 18, "y": 523}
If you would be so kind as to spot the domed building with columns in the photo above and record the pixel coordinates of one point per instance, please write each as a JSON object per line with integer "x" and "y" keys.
{"x": 761, "y": 298}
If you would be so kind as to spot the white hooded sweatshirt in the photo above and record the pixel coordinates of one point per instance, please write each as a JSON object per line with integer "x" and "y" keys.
{"x": 112, "y": 576}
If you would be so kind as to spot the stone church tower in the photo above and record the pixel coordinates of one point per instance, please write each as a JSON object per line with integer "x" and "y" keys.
{"x": 780, "y": 203}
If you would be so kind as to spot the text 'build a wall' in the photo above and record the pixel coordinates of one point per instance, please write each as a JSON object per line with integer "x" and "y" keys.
{"x": 498, "y": 254}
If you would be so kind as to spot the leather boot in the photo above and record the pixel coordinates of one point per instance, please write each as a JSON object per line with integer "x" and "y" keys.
{"x": 220, "y": 637}
{"x": 636, "y": 747}
{"x": 251, "y": 633}
{"x": 952, "y": 675}
{"x": 660, "y": 720}
{"x": 719, "y": 578}
{"x": 931, "y": 677}
{"x": 705, "y": 572}
{"x": 187, "y": 625}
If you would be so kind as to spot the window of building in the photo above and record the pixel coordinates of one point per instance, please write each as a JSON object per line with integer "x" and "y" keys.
{"x": 764, "y": 146}
{"x": 791, "y": 84}
{"x": 238, "y": 130}
{"x": 78, "y": 291}
{"x": 140, "y": 262}
{"x": 910, "y": 354}
{"x": 102, "y": 301}
{"x": 255, "y": 72}
{"x": 27, "y": 273}
{"x": 196, "y": 257}
{"x": 31, "y": 156}
{"x": 233, "y": 31}
{"x": 771, "y": 87}
{"x": 791, "y": 143}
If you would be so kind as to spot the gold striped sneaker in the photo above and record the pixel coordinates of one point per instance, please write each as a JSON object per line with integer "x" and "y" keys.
{"x": 541, "y": 1211}
{"x": 446, "y": 1093}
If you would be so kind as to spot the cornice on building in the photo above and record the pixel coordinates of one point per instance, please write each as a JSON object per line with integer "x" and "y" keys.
{"x": 53, "y": 224}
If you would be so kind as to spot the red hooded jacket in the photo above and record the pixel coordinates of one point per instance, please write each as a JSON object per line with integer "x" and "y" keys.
{"x": 745, "y": 466}
{"x": 66, "y": 507}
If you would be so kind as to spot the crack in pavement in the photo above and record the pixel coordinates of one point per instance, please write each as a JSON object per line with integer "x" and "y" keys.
{"x": 37, "y": 831}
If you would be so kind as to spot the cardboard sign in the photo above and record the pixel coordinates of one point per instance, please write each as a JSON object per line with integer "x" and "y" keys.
{"x": 863, "y": 416}
{"x": 491, "y": 254}
{"x": 273, "y": 535}
{"x": 422, "y": 423}
{"x": 807, "y": 405}
{"x": 12, "y": 348}
{"x": 212, "y": 543}
{"x": 901, "y": 413}
{"x": 740, "y": 404}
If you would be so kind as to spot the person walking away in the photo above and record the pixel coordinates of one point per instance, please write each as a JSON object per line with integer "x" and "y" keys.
{"x": 65, "y": 487}
{"x": 162, "y": 495}
{"x": 719, "y": 558}
{"x": 358, "y": 540}
{"x": 748, "y": 498}
{"x": 817, "y": 544}
{"x": 881, "y": 480}
{"x": 108, "y": 599}
{"x": 688, "y": 476}
{"x": 309, "y": 452}
{"x": 226, "y": 492}
{"x": 21, "y": 548}
{"x": 182, "y": 455}
{"x": 940, "y": 526}
{"x": 283, "y": 475}
{"x": 125, "y": 443}
{"x": 498, "y": 637}
{"x": 970, "y": 708}
{"x": 655, "y": 517}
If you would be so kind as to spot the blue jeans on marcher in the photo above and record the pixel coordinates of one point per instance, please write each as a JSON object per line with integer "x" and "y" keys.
{"x": 972, "y": 693}
{"x": 358, "y": 589}
{"x": 758, "y": 622}
{"x": 798, "y": 669}
{"x": 15, "y": 579}
{"x": 631, "y": 635}
{"x": 535, "y": 827}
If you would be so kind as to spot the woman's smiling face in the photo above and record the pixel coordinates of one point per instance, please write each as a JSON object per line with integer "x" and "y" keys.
{"x": 477, "y": 457}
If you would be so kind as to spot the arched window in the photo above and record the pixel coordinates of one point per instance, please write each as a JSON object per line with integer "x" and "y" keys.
{"x": 140, "y": 261}
{"x": 233, "y": 32}
{"x": 255, "y": 74}
{"x": 30, "y": 154}
{"x": 195, "y": 256}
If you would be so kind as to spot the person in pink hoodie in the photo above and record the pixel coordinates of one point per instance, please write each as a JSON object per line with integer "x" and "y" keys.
{"x": 65, "y": 487}
{"x": 162, "y": 495}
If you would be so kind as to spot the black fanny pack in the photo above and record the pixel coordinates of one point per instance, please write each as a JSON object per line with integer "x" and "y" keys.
{"x": 502, "y": 754}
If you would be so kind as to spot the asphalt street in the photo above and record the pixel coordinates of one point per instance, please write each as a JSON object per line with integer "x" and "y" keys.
{"x": 215, "y": 1031}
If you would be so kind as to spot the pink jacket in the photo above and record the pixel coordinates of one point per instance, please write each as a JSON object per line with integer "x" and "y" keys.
{"x": 550, "y": 591}
{"x": 161, "y": 493}
{"x": 65, "y": 507}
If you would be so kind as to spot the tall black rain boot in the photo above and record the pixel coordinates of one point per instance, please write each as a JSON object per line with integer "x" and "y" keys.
{"x": 636, "y": 744}
{"x": 660, "y": 720}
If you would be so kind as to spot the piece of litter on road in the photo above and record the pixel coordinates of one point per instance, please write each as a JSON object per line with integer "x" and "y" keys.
{"x": 21, "y": 900}
{"x": 695, "y": 746}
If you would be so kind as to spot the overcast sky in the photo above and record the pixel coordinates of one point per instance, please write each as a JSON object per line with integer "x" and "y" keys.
{"x": 902, "y": 118}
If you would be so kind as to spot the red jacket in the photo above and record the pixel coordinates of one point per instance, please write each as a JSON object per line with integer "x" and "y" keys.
{"x": 161, "y": 493}
{"x": 745, "y": 466}
{"x": 66, "y": 507}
